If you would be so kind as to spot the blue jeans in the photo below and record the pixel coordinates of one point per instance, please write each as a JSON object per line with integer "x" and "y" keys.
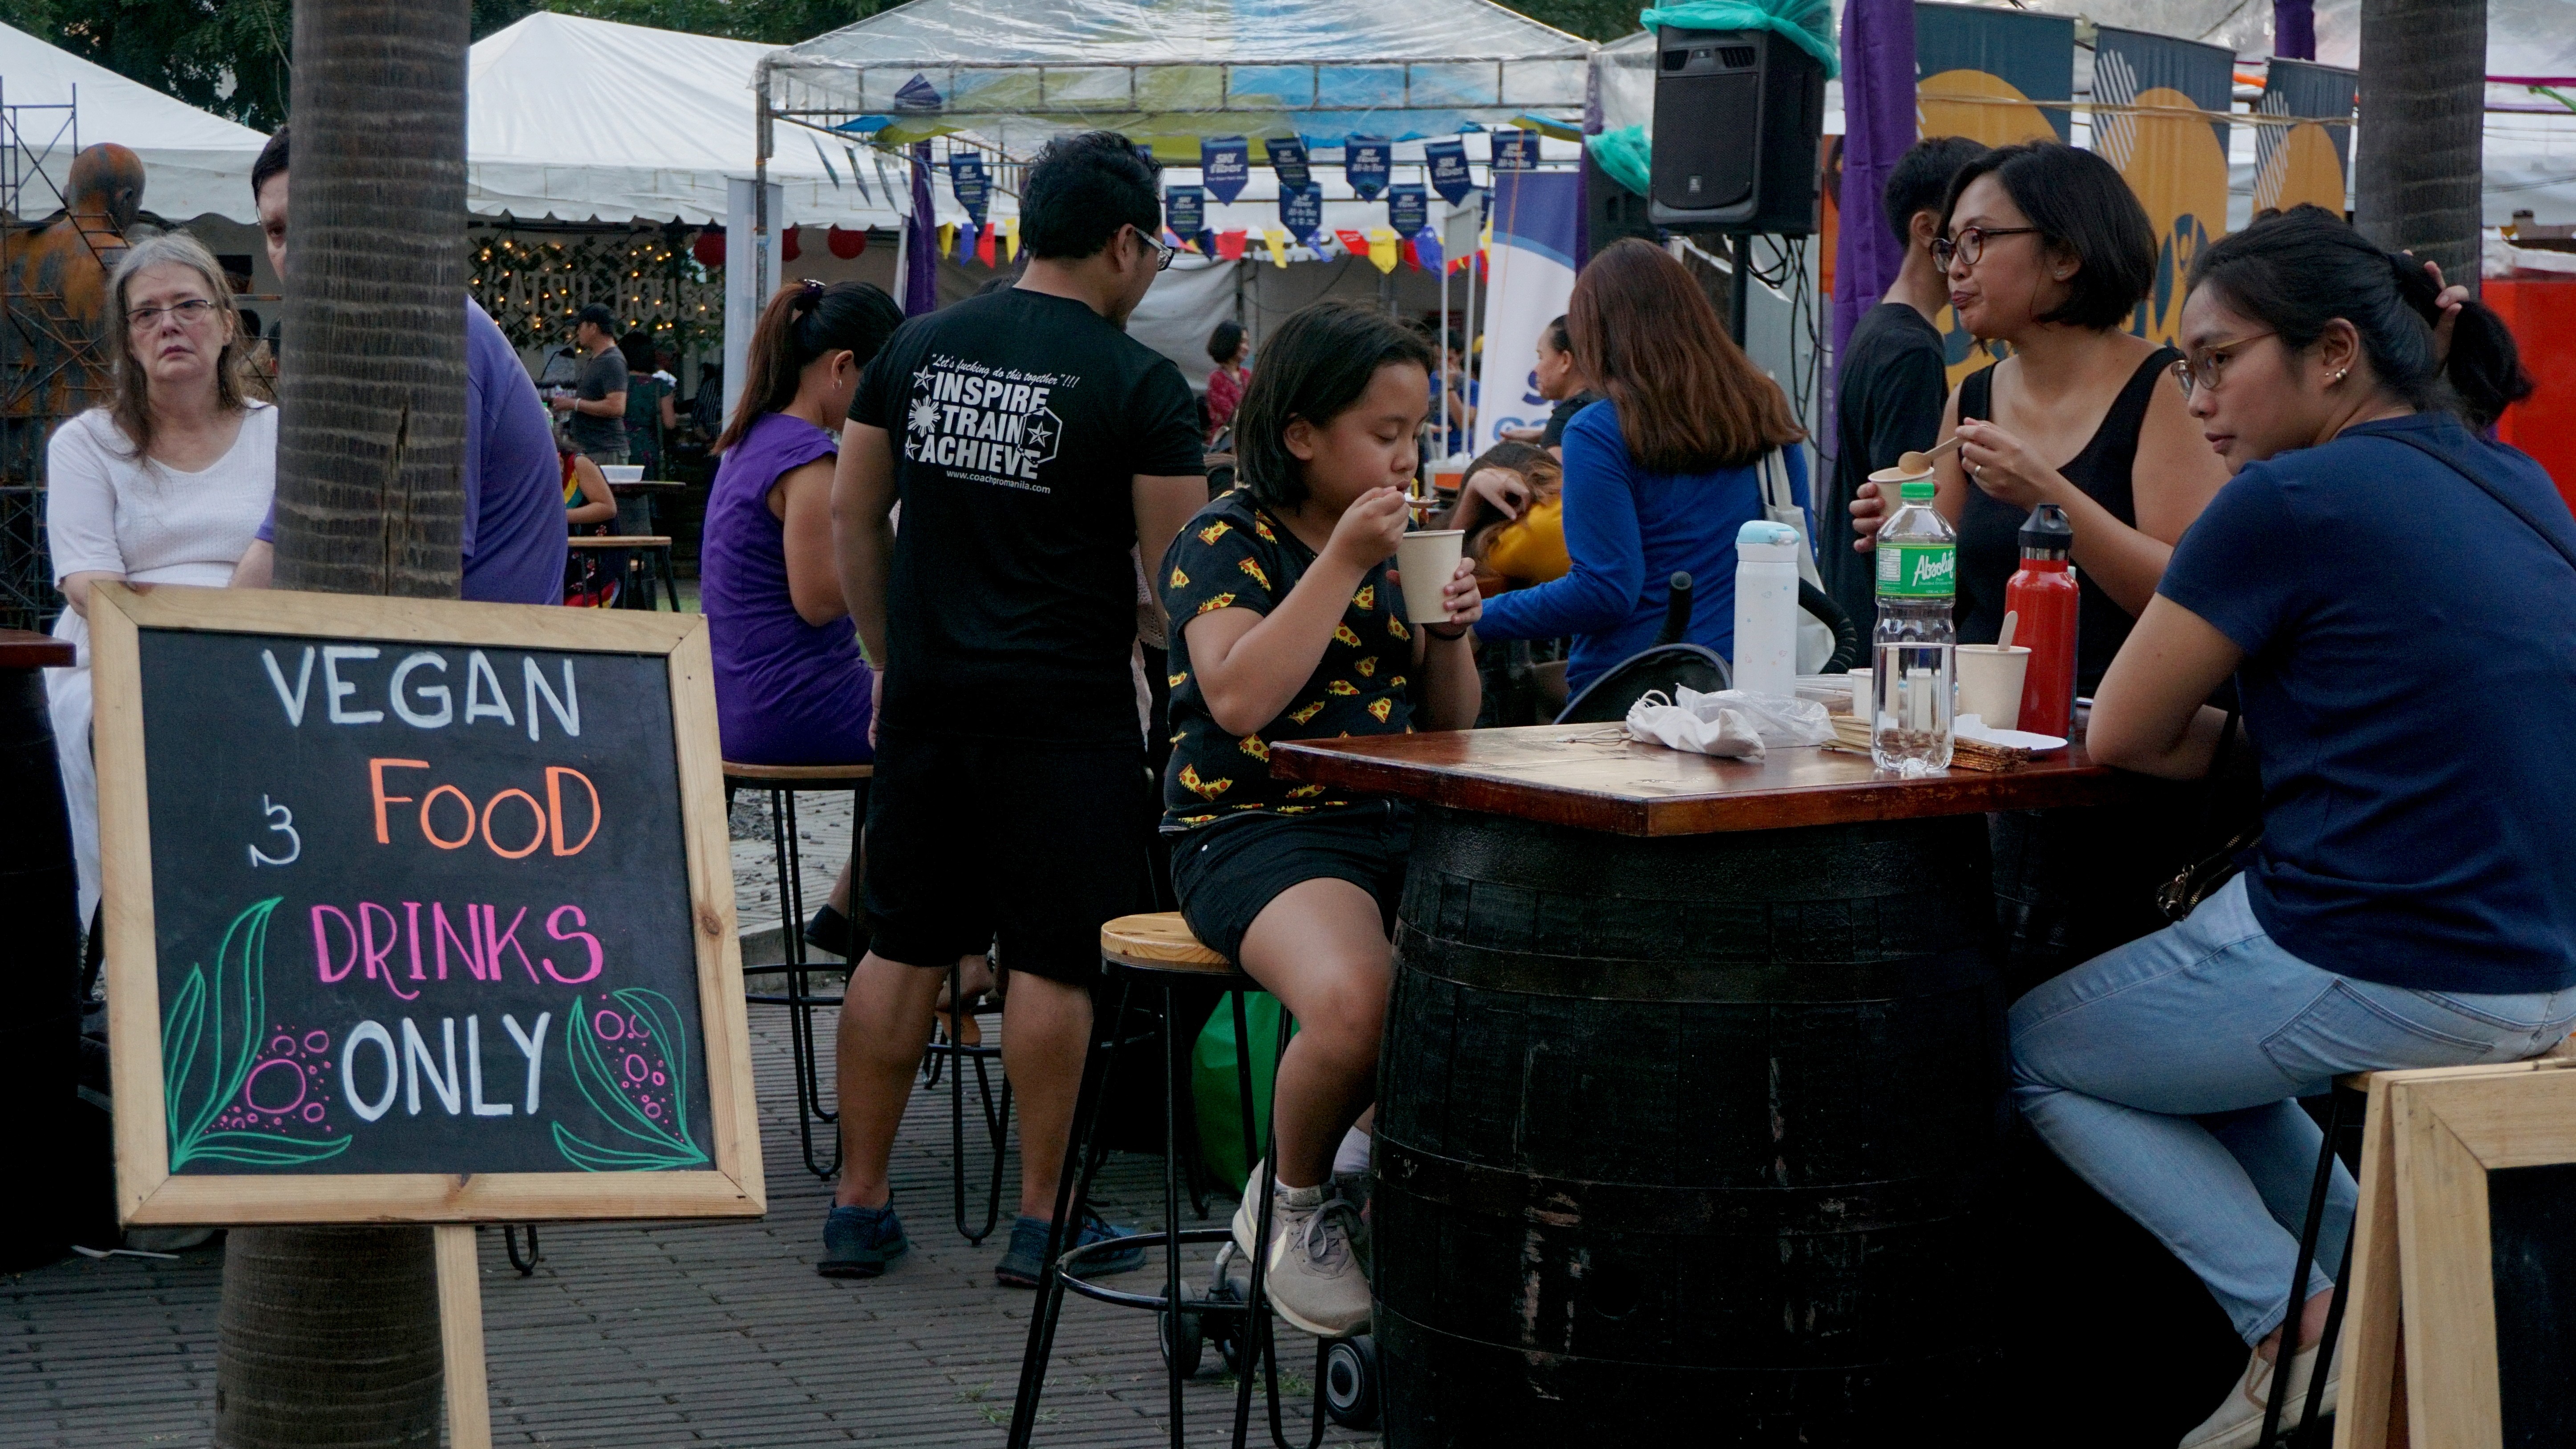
{"x": 2165, "y": 1074}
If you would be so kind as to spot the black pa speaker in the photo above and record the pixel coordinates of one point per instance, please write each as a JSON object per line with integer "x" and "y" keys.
{"x": 1610, "y": 211}
{"x": 1738, "y": 118}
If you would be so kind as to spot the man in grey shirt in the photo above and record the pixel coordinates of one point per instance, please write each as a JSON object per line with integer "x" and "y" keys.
{"x": 598, "y": 423}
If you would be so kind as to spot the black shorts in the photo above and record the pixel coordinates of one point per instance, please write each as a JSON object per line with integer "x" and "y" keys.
{"x": 1227, "y": 872}
{"x": 976, "y": 842}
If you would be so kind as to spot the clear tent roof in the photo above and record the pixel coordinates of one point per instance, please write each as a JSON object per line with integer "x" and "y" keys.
{"x": 1171, "y": 71}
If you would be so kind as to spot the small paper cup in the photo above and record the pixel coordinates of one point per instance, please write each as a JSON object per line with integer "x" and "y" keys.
{"x": 1861, "y": 703}
{"x": 1427, "y": 560}
{"x": 1990, "y": 683}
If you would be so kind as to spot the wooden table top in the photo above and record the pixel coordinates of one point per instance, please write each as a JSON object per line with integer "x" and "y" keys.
{"x": 1592, "y": 777}
{"x": 27, "y": 649}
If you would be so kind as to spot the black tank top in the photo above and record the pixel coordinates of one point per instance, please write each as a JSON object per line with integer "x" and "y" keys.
{"x": 1989, "y": 532}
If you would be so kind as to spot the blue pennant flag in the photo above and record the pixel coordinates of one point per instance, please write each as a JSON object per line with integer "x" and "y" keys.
{"x": 1408, "y": 210}
{"x": 1449, "y": 175}
{"x": 1515, "y": 150}
{"x": 1225, "y": 163}
{"x": 917, "y": 94}
{"x": 1426, "y": 247}
{"x": 1185, "y": 210}
{"x": 1302, "y": 211}
{"x": 1288, "y": 158}
{"x": 974, "y": 189}
{"x": 1366, "y": 161}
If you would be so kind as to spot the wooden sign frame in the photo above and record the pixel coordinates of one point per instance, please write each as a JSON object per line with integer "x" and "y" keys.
{"x": 147, "y": 1191}
{"x": 2422, "y": 1239}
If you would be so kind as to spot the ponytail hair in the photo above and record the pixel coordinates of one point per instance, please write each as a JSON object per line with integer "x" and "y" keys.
{"x": 2300, "y": 270}
{"x": 804, "y": 321}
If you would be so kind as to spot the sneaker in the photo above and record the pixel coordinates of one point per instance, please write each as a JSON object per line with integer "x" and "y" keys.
{"x": 830, "y": 932}
{"x": 2239, "y": 1421}
{"x": 1025, "y": 1263}
{"x": 858, "y": 1242}
{"x": 1313, "y": 1273}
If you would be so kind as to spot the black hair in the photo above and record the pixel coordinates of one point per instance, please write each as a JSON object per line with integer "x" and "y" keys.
{"x": 1081, "y": 189}
{"x": 271, "y": 162}
{"x": 2298, "y": 271}
{"x": 2083, "y": 209}
{"x": 803, "y": 321}
{"x": 1314, "y": 367}
{"x": 637, "y": 348}
{"x": 1558, "y": 339}
{"x": 598, "y": 315}
{"x": 1920, "y": 181}
{"x": 1224, "y": 343}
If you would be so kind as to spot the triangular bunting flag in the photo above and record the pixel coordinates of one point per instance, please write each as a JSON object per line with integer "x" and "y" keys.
{"x": 1426, "y": 249}
{"x": 985, "y": 245}
{"x": 1381, "y": 249}
{"x": 1229, "y": 245}
{"x": 1354, "y": 242}
{"x": 1009, "y": 227}
{"x": 1277, "y": 241}
{"x": 948, "y": 238}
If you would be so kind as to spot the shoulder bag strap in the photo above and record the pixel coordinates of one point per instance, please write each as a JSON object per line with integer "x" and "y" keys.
{"x": 2461, "y": 467}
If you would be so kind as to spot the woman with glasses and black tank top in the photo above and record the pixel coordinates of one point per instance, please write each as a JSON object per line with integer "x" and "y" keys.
{"x": 2047, "y": 249}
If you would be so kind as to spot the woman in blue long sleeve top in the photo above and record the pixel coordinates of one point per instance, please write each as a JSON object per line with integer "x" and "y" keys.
{"x": 1658, "y": 475}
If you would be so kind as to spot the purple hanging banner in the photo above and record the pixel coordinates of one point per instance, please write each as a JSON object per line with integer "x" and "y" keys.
{"x": 2294, "y": 29}
{"x": 921, "y": 241}
{"x": 1878, "y": 117}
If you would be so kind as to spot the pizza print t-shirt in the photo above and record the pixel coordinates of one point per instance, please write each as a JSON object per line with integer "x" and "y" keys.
{"x": 1234, "y": 555}
{"x": 1019, "y": 422}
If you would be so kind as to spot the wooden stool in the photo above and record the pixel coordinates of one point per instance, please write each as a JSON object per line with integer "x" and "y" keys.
{"x": 2351, "y": 1087}
{"x": 783, "y": 782}
{"x": 656, "y": 548}
{"x": 1158, "y": 951}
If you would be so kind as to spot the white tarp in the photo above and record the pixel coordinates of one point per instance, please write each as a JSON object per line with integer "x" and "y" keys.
{"x": 193, "y": 163}
{"x": 1169, "y": 71}
{"x": 584, "y": 120}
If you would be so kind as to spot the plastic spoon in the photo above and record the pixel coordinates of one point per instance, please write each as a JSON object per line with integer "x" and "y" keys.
{"x": 1913, "y": 462}
{"x": 2012, "y": 621}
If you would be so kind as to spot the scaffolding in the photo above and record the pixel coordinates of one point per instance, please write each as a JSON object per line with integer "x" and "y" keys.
{"x": 52, "y": 361}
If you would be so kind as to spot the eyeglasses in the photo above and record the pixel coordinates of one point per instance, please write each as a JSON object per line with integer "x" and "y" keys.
{"x": 1970, "y": 245}
{"x": 1162, "y": 254}
{"x": 2189, "y": 375}
{"x": 190, "y": 312}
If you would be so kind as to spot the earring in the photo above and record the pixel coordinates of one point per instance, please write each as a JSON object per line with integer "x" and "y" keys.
{"x": 2339, "y": 372}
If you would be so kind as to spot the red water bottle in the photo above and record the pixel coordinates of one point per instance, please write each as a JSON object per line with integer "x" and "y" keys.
{"x": 2044, "y": 593}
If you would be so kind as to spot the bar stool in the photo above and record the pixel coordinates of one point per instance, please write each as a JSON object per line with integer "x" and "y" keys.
{"x": 2346, "y": 1109}
{"x": 1158, "y": 952}
{"x": 947, "y": 1046}
{"x": 783, "y": 783}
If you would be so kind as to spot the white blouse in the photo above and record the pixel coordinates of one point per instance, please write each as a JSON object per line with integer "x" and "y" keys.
{"x": 106, "y": 512}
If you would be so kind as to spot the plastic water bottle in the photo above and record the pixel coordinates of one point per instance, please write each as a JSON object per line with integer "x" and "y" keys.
{"x": 1766, "y": 608}
{"x": 1918, "y": 580}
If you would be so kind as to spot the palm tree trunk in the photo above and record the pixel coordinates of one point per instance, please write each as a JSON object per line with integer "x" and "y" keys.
{"x": 329, "y": 1335}
{"x": 2422, "y": 140}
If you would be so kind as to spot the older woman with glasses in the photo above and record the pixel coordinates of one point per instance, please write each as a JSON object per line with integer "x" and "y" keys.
{"x": 165, "y": 484}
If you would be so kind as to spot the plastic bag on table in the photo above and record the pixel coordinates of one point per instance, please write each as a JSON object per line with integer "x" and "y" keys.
{"x": 1656, "y": 719}
{"x": 1783, "y": 722}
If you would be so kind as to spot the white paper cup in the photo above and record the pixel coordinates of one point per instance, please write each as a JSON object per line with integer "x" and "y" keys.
{"x": 1861, "y": 703}
{"x": 1427, "y": 561}
{"x": 1990, "y": 683}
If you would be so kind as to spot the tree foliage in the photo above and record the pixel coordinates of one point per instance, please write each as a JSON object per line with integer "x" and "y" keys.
{"x": 231, "y": 56}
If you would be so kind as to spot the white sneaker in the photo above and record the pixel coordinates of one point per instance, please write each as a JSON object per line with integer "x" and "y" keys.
{"x": 1313, "y": 1275}
{"x": 2239, "y": 1421}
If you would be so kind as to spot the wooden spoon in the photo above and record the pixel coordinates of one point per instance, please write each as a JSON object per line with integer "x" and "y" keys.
{"x": 1913, "y": 462}
{"x": 2012, "y": 622}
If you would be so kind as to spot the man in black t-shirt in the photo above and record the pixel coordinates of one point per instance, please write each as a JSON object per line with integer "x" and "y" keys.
{"x": 1033, "y": 447}
{"x": 1894, "y": 373}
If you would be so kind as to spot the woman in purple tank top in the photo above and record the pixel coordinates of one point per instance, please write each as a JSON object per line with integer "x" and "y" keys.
{"x": 792, "y": 687}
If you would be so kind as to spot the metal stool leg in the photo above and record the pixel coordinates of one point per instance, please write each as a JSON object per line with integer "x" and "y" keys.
{"x": 1072, "y": 1190}
{"x": 2288, "y": 1352}
{"x": 1171, "y": 1212}
{"x": 786, "y": 851}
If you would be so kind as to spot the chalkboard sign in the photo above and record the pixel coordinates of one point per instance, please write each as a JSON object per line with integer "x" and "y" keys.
{"x": 2531, "y": 1213}
{"x": 416, "y": 911}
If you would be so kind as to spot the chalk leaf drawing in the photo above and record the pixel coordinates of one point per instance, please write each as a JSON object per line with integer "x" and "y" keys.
{"x": 210, "y": 1041}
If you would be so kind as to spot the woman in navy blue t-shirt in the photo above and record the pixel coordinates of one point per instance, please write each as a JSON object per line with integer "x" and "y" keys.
{"x": 2399, "y": 634}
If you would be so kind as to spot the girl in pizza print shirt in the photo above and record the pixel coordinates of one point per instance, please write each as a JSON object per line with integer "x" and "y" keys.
{"x": 1288, "y": 625}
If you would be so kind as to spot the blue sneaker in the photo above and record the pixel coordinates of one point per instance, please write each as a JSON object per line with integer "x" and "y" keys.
{"x": 1025, "y": 1263}
{"x": 858, "y": 1242}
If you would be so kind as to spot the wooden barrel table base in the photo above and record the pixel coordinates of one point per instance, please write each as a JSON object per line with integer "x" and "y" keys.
{"x": 1686, "y": 1136}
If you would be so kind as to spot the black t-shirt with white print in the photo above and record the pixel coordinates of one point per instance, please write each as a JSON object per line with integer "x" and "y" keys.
{"x": 1019, "y": 421}
{"x": 1234, "y": 555}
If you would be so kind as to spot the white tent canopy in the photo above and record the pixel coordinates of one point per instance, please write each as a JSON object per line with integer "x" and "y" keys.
{"x": 590, "y": 120}
{"x": 1170, "y": 71}
{"x": 194, "y": 163}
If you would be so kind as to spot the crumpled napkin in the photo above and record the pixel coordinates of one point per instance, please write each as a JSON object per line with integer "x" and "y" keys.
{"x": 1701, "y": 727}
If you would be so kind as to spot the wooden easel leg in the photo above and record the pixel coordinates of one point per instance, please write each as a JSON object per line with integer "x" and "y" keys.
{"x": 460, "y": 1334}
